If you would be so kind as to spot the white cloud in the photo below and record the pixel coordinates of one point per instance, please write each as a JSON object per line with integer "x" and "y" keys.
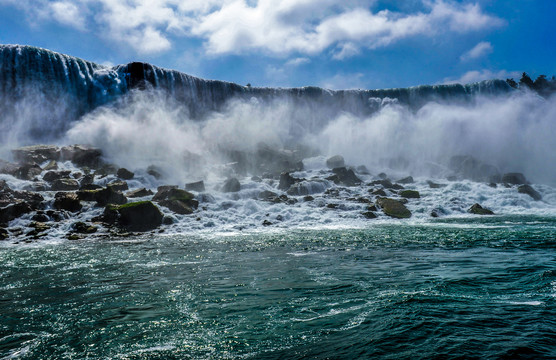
{"x": 278, "y": 28}
{"x": 481, "y": 49}
{"x": 298, "y": 61}
{"x": 480, "y": 75}
{"x": 68, "y": 14}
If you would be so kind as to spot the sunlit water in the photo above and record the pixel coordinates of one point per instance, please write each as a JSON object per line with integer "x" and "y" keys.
{"x": 462, "y": 287}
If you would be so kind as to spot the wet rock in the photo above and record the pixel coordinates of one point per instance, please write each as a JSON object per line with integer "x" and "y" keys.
{"x": 83, "y": 228}
{"x": 4, "y": 234}
{"x": 410, "y": 194}
{"x": 231, "y": 185}
{"x": 36, "y": 186}
{"x": 286, "y": 180}
{"x": 118, "y": 185}
{"x": 267, "y": 195}
{"x": 379, "y": 192}
{"x": 332, "y": 206}
{"x": 255, "y": 179}
{"x": 406, "y": 180}
{"x": 308, "y": 198}
{"x": 154, "y": 172}
{"x": 53, "y": 175}
{"x": 36, "y": 153}
{"x": 39, "y": 229}
{"x": 528, "y": 189}
{"x": 434, "y": 185}
{"x": 393, "y": 208}
{"x": 14, "y": 211}
{"x": 40, "y": 217}
{"x": 382, "y": 176}
{"x": 468, "y": 167}
{"x": 67, "y": 201}
{"x": 90, "y": 187}
{"x": 124, "y": 174}
{"x": 345, "y": 177}
{"x": 335, "y": 161}
{"x": 479, "y": 210}
{"x": 298, "y": 189}
{"x": 385, "y": 183}
{"x": 137, "y": 216}
{"x": 28, "y": 172}
{"x": 198, "y": 186}
{"x": 52, "y": 165}
{"x": 372, "y": 208}
{"x": 8, "y": 168}
{"x": 369, "y": 215}
{"x": 177, "y": 200}
{"x": 276, "y": 161}
{"x": 362, "y": 169}
{"x": 514, "y": 179}
{"x": 138, "y": 193}
{"x": 87, "y": 179}
{"x": 82, "y": 155}
{"x": 65, "y": 185}
{"x": 267, "y": 223}
{"x": 103, "y": 196}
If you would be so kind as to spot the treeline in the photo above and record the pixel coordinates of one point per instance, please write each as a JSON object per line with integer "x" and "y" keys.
{"x": 541, "y": 85}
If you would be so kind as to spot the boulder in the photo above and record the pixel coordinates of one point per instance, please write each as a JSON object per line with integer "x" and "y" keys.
{"x": 434, "y": 185}
{"x": 410, "y": 194}
{"x": 138, "y": 193}
{"x": 118, "y": 185}
{"x": 65, "y": 185}
{"x": 51, "y": 176}
{"x": 514, "y": 179}
{"x": 231, "y": 185}
{"x": 52, "y": 165}
{"x": 344, "y": 176}
{"x": 336, "y": 161}
{"x": 369, "y": 215}
{"x": 136, "y": 216}
{"x": 406, "y": 180}
{"x": 393, "y": 208}
{"x": 36, "y": 153}
{"x": 28, "y": 171}
{"x": 103, "y": 196}
{"x": 83, "y": 228}
{"x": 87, "y": 179}
{"x": 528, "y": 189}
{"x": 4, "y": 234}
{"x": 81, "y": 155}
{"x": 8, "y": 168}
{"x": 362, "y": 169}
{"x": 177, "y": 200}
{"x": 286, "y": 180}
{"x": 198, "y": 186}
{"x": 67, "y": 201}
{"x": 479, "y": 210}
{"x": 13, "y": 211}
{"x": 124, "y": 174}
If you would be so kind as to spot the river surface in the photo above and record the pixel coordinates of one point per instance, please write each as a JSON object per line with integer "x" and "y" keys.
{"x": 466, "y": 287}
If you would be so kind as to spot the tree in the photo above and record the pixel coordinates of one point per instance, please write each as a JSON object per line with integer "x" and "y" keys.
{"x": 512, "y": 83}
{"x": 526, "y": 81}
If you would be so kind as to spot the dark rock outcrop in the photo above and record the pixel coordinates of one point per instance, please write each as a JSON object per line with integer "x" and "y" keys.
{"x": 65, "y": 185}
{"x": 177, "y": 200}
{"x": 514, "y": 179}
{"x": 82, "y": 155}
{"x": 136, "y": 216}
{"x": 36, "y": 153}
{"x": 344, "y": 176}
{"x": 406, "y": 180}
{"x": 103, "y": 196}
{"x": 286, "y": 180}
{"x": 528, "y": 189}
{"x": 410, "y": 194}
{"x": 336, "y": 161}
{"x": 393, "y": 208}
{"x": 198, "y": 186}
{"x": 67, "y": 201}
{"x": 479, "y": 210}
{"x": 231, "y": 185}
{"x": 13, "y": 211}
{"x": 124, "y": 174}
{"x": 138, "y": 193}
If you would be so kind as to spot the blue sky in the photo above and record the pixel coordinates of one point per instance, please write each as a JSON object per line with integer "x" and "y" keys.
{"x": 331, "y": 43}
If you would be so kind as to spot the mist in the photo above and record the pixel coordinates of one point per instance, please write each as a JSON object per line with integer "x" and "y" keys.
{"x": 515, "y": 133}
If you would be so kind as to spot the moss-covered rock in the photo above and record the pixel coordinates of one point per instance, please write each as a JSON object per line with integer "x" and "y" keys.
{"x": 177, "y": 200}
{"x": 393, "y": 208}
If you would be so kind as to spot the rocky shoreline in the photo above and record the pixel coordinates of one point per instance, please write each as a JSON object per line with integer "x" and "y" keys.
{"x": 73, "y": 203}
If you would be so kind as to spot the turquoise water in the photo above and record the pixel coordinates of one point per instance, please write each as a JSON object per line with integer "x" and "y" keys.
{"x": 458, "y": 288}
